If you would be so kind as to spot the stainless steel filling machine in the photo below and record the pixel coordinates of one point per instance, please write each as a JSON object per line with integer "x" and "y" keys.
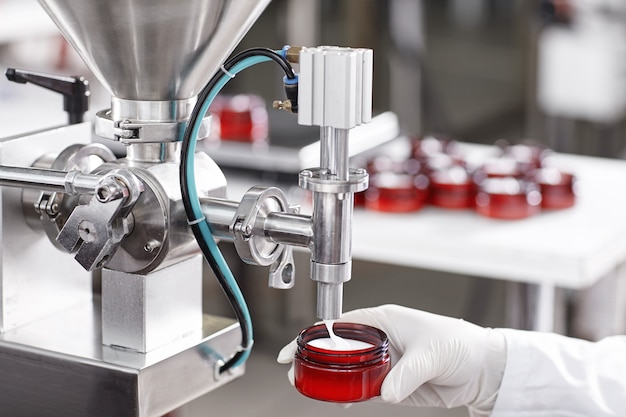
{"x": 144, "y": 347}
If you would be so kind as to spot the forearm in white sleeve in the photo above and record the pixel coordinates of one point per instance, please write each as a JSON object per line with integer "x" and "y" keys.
{"x": 552, "y": 375}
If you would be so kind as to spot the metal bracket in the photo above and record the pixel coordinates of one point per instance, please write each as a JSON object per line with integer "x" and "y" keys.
{"x": 95, "y": 230}
{"x": 282, "y": 271}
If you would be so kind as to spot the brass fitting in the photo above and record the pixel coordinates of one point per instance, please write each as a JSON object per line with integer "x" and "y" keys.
{"x": 283, "y": 105}
{"x": 293, "y": 54}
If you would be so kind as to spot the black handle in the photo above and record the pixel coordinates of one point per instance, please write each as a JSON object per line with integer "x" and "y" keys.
{"x": 75, "y": 90}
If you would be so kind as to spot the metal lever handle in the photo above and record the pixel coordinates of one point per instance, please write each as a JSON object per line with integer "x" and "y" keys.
{"x": 75, "y": 90}
{"x": 95, "y": 230}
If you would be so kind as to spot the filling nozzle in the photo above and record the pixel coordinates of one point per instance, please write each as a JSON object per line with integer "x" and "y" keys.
{"x": 329, "y": 300}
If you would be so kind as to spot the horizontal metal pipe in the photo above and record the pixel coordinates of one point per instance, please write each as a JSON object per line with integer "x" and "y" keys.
{"x": 73, "y": 182}
{"x": 289, "y": 229}
{"x": 219, "y": 213}
{"x": 282, "y": 228}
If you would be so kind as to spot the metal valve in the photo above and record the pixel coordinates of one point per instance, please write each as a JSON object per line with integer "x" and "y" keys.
{"x": 95, "y": 230}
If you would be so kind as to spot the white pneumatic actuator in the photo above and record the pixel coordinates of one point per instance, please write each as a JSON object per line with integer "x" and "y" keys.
{"x": 335, "y": 86}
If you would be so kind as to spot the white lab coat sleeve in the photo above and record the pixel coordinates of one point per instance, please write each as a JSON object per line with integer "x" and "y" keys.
{"x": 556, "y": 376}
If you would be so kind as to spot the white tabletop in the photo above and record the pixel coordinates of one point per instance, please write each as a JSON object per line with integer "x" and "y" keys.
{"x": 570, "y": 248}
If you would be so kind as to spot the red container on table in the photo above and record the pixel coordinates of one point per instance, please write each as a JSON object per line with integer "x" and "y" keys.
{"x": 557, "y": 188}
{"x": 528, "y": 156}
{"x": 396, "y": 192}
{"x": 452, "y": 188}
{"x": 339, "y": 375}
{"x": 499, "y": 167}
{"x": 507, "y": 198}
{"x": 240, "y": 118}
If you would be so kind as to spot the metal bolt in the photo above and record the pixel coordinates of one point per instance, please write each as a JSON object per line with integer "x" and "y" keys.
{"x": 306, "y": 173}
{"x": 360, "y": 171}
{"x": 110, "y": 191}
{"x": 151, "y": 245}
{"x": 103, "y": 193}
{"x": 87, "y": 231}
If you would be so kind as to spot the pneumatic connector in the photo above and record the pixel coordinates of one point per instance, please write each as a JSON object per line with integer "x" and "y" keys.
{"x": 292, "y": 54}
{"x": 291, "y": 92}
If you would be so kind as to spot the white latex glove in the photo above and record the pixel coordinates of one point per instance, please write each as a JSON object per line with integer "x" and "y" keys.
{"x": 437, "y": 361}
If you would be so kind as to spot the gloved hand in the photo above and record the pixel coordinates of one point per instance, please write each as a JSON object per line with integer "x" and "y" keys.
{"x": 437, "y": 361}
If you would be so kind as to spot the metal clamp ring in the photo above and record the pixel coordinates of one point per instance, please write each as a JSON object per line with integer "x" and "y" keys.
{"x": 250, "y": 243}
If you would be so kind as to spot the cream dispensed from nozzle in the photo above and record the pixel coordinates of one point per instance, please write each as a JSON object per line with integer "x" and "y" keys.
{"x": 335, "y": 342}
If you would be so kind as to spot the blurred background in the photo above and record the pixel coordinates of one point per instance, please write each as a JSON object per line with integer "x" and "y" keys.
{"x": 474, "y": 70}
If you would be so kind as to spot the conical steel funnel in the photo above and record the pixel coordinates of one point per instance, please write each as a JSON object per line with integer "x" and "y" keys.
{"x": 161, "y": 50}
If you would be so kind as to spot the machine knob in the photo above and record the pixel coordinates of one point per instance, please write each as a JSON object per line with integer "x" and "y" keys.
{"x": 75, "y": 90}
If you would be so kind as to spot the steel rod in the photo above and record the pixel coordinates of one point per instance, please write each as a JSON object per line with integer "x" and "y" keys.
{"x": 73, "y": 182}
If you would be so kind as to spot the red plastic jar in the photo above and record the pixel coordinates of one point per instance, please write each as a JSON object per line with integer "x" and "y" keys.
{"x": 341, "y": 376}
{"x": 359, "y": 199}
{"x": 508, "y": 198}
{"x": 452, "y": 188}
{"x": 557, "y": 188}
{"x": 241, "y": 118}
{"x": 528, "y": 156}
{"x": 500, "y": 167}
{"x": 396, "y": 192}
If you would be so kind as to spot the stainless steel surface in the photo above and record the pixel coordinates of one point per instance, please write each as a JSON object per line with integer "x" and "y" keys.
{"x": 74, "y": 182}
{"x": 247, "y": 225}
{"x": 220, "y": 213}
{"x": 151, "y": 110}
{"x": 57, "y": 367}
{"x": 159, "y": 214}
{"x": 272, "y": 225}
{"x": 154, "y": 49}
{"x": 26, "y": 277}
{"x": 130, "y": 131}
{"x": 49, "y": 211}
{"x": 329, "y": 300}
{"x": 289, "y": 229}
{"x": 279, "y": 227}
{"x": 334, "y": 151}
{"x": 333, "y": 201}
{"x": 321, "y": 181}
{"x": 282, "y": 271}
{"x": 153, "y": 152}
{"x": 331, "y": 229}
{"x": 96, "y": 229}
{"x": 145, "y": 312}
